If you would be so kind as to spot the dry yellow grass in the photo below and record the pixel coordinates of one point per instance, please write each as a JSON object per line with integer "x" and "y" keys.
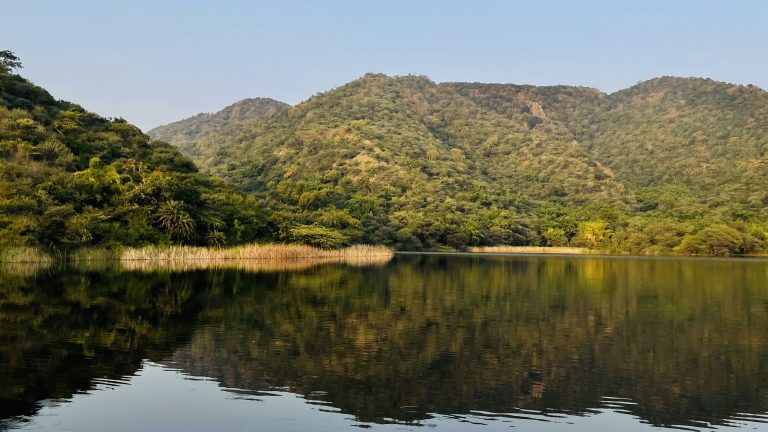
{"x": 269, "y": 257}
{"x": 23, "y": 269}
{"x": 252, "y": 252}
{"x": 250, "y": 265}
{"x": 533, "y": 250}
{"x": 25, "y": 255}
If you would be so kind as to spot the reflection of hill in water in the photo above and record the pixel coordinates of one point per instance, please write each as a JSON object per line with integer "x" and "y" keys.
{"x": 685, "y": 339}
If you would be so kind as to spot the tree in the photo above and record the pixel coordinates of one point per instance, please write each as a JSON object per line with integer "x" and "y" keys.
{"x": 317, "y": 236}
{"x": 555, "y": 237}
{"x": 9, "y": 61}
{"x": 175, "y": 221}
{"x": 593, "y": 233}
{"x": 98, "y": 184}
{"x": 719, "y": 239}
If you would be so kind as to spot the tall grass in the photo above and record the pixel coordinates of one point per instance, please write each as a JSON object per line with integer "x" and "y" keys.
{"x": 254, "y": 257}
{"x": 25, "y": 255}
{"x": 94, "y": 254}
{"x": 533, "y": 250}
{"x": 250, "y": 265}
{"x": 251, "y": 252}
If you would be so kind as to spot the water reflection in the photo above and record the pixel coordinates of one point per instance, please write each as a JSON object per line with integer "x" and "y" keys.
{"x": 665, "y": 341}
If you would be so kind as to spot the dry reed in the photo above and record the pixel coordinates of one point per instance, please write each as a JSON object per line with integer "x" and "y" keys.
{"x": 533, "y": 250}
{"x": 254, "y": 257}
{"x": 250, "y": 265}
{"x": 252, "y": 252}
{"x": 25, "y": 255}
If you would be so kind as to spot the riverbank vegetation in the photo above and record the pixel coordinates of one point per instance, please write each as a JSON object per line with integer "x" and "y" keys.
{"x": 550, "y": 250}
{"x": 250, "y": 252}
{"x": 25, "y": 255}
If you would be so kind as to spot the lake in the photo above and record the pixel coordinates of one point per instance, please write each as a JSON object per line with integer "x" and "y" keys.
{"x": 424, "y": 341}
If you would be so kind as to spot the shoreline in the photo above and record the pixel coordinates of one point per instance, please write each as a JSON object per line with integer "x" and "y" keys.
{"x": 255, "y": 252}
{"x": 273, "y": 252}
{"x": 594, "y": 254}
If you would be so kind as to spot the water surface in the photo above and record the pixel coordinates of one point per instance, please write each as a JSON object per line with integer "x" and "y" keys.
{"x": 425, "y": 341}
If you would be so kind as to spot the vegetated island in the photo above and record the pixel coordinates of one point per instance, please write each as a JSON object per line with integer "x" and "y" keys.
{"x": 668, "y": 166}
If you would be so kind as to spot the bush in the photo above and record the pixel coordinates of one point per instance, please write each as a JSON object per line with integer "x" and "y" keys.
{"x": 317, "y": 236}
{"x": 719, "y": 239}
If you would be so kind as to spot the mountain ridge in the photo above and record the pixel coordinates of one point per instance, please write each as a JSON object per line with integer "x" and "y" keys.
{"x": 668, "y": 166}
{"x": 622, "y": 161}
{"x": 191, "y": 128}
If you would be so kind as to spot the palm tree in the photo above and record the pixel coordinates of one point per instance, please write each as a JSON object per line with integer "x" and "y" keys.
{"x": 175, "y": 221}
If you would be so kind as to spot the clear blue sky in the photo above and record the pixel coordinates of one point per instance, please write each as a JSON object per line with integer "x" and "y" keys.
{"x": 157, "y": 61}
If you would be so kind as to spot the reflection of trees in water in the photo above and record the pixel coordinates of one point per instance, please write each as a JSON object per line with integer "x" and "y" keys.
{"x": 684, "y": 339}
{"x": 60, "y": 331}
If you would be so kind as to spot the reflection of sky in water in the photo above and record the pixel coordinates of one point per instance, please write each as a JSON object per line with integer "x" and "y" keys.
{"x": 162, "y": 399}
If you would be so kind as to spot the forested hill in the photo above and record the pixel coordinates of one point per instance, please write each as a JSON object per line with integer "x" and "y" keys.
{"x": 183, "y": 133}
{"x": 70, "y": 178}
{"x": 669, "y": 165}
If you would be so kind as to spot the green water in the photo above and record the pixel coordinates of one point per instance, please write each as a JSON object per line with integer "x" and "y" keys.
{"x": 425, "y": 341}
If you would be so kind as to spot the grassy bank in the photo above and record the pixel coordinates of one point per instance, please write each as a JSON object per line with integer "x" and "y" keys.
{"x": 533, "y": 250}
{"x": 251, "y": 252}
{"x": 267, "y": 257}
{"x": 262, "y": 252}
{"x": 25, "y": 255}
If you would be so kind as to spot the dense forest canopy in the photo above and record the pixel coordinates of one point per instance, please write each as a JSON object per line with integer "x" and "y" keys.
{"x": 671, "y": 165}
{"x": 70, "y": 178}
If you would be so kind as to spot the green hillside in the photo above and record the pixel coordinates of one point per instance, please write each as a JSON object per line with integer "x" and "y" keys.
{"x": 671, "y": 165}
{"x": 702, "y": 140}
{"x": 70, "y": 178}
{"x": 184, "y": 133}
{"x": 410, "y": 162}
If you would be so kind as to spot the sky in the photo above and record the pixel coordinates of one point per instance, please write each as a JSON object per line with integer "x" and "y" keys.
{"x": 157, "y": 61}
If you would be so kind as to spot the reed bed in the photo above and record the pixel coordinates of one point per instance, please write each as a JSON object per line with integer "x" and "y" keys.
{"x": 94, "y": 254}
{"x": 23, "y": 269}
{"x": 254, "y": 257}
{"x": 25, "y": 255}
{"x": 533, "y": 250}
{"x": 252, "y": 252}
{"x": 250, "y": 265}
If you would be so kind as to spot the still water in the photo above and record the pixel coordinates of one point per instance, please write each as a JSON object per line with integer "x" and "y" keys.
{"x": 445, "y": 342}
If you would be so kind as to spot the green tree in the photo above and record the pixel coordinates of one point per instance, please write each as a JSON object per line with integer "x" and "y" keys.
{"x": 555, "y": 237}
{"x": 593, "y": 234}
{"x": 9, "y": 61}
{"x": 719, "y": 239}
{"x": 175, "y": 220}
{"x": 317, "y": 236}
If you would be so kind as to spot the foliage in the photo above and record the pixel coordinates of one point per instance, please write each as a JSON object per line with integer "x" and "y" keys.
{"x": 71, "y": 179}
{"x": 184, "y": 133}
{"x": 719, "y": 240}
{"x": 658, "y": 168}
{"x": 8, "y": 61}
{"x": 419, "y": 165}
{"x": 317, "y": 236}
